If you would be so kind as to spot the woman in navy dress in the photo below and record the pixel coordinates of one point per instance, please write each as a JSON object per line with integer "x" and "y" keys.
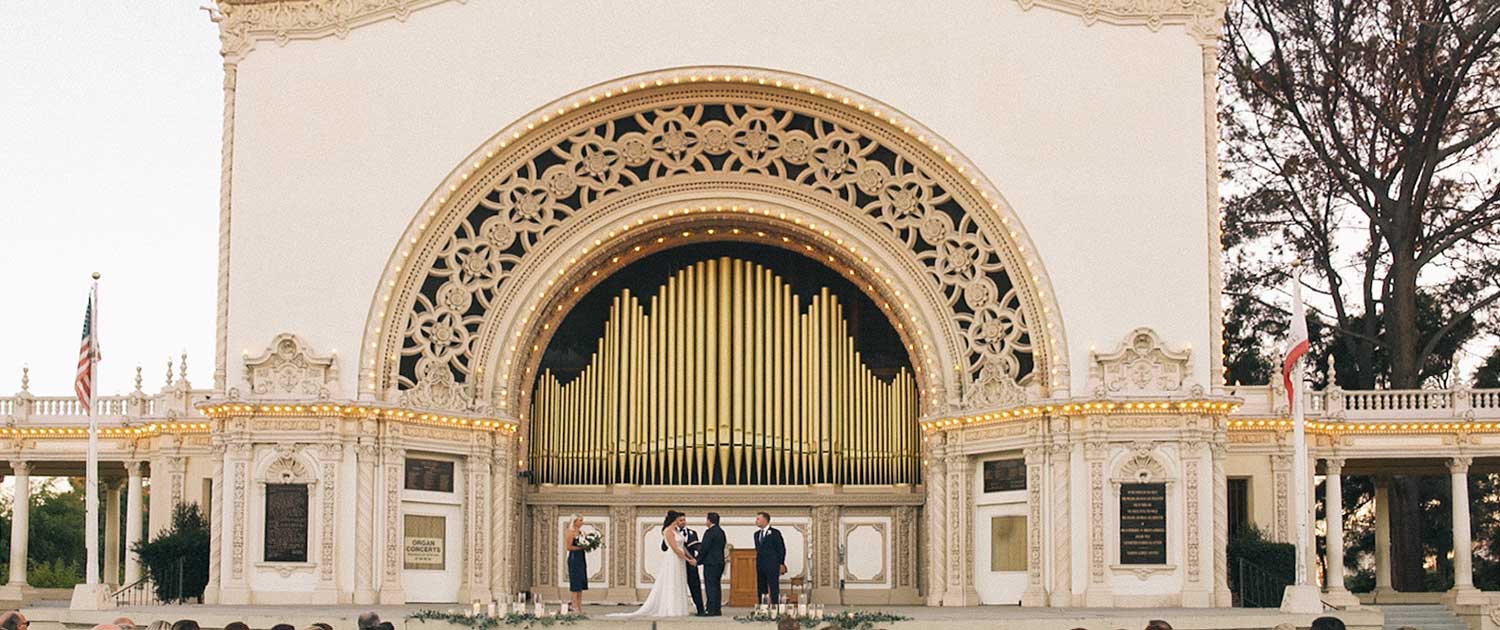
{"x": 578, "y": 566}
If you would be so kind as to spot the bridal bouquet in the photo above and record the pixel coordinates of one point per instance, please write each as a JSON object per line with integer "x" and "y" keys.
{"x": 591, "y": 541}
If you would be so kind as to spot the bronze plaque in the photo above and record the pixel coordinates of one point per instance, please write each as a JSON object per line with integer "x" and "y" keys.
{"x": 426, "y": 542}
{"x": 431, "y": 475}
{"x": 286, "y": 522}
{"x": 1004, "y": 475}
{"x": 1008, "y": 543}
{"x": 1143, "y": 523}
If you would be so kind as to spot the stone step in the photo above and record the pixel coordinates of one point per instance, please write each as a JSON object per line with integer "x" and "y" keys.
{"x": 1422, "y": 616}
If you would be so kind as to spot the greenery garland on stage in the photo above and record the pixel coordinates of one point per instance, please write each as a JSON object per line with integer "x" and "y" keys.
{"x": 848, "y": 620}
{"x": 486, "y": 622}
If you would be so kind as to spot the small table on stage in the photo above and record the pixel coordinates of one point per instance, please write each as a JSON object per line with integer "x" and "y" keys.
{"x": 742, "y": 578}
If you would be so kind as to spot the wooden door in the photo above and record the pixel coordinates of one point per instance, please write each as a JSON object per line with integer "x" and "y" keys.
{"x": 742, "y": 578}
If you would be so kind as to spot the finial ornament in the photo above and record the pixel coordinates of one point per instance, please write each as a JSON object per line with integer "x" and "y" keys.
{"x": 169, "y": 371}
{"x": 1333, "y": 372}
{"x": 182, "y": 366}
{"x": 25, "y": 378}
{"x": 137, "y": 379}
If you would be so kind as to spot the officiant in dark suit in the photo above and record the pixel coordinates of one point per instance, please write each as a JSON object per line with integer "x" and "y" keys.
{"x": 692, "y": 548}
{"x": 711, "y": 558}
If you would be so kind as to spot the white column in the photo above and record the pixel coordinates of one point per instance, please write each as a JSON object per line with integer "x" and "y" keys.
{"x": 20, "y": 529}
{"x": 112, "y": 532}
{"x": 1463, "y": 547}
{"x": 1383, "y": 535}
{"x": 1333, "y": 510}
{"x": 133, "y": 503}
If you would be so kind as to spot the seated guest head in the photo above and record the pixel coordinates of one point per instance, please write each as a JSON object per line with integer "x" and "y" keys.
{"x": 386, "y": 625}
{"x": 106, "y": 626}
{"x": 1158, "y": 624}
{"x": 1328, "y": 623}
{"x": 124, "y": 623}
{"x": 279, "y": 626}
{"x": 13, "y": 620}
{"x": 368, "y": 620}
{"x": 185, "y": 624}
{"x": 236, "y": 625}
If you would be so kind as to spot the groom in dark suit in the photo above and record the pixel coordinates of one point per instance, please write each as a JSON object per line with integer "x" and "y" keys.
{"x": 691, "y": 547}
{"x": 711, "y": 558}
{"x": 770, "y": 558}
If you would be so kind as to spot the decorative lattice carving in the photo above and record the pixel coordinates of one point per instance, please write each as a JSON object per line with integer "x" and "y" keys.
{"x": 457, "y": 276}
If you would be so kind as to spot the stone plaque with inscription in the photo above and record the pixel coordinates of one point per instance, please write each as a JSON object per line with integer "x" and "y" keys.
{"x": 1143, "y": 523}
{"x": 286, "y": 522}
{"x": 430, "y": 475}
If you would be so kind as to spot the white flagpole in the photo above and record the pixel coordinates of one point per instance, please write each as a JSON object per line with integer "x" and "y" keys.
{"x": 1301, "y": 596}
{"x": 91, "y": 525}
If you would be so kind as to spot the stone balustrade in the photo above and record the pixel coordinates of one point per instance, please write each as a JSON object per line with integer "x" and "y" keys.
{"x": 1394, "y": 405}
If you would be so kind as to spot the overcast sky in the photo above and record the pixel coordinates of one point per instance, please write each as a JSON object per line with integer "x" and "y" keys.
{"x": 109, "y": 161}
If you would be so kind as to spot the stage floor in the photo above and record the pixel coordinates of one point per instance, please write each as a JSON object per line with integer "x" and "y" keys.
{"x": 58, "y": 617}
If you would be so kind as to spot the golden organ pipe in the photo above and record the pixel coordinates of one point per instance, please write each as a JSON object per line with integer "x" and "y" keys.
{"x": 721, "y": 377}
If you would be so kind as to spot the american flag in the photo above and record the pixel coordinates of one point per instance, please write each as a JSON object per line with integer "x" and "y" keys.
{"x": 88, "y": 353}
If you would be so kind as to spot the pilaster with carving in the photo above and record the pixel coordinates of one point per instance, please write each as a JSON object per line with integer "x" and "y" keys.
{"x": 1036, "y": 590}
{"x": 1095, "y": 453}
{"x": 1281, "y": 472}
{"x": 504, "y": 533}
{"x": 621, "y": 559}
{"x": 960, "y": 590}
{"x": 936, "y": 511}
{"x": 477, "y": 526}
{"x": 1061, "y": 525}
{"x": 825, "y": 548}
{"x": 1223, "y": 598}
{"x": 393, "y": 457}
{"x": 904, "y": 554}
{"x": 366, "y": 455}
{"x": 235, "y": 588}
{"x": 215, "y": 522}
{"x": 544, "y": 546}
{"x": 330, "y": 454}
{"x": 1195, "y": 591}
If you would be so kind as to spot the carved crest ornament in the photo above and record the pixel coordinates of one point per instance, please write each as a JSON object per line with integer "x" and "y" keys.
{"x": 289, "y": 370}
{"x": 1141, "y": 365}
{"x": 736, "y": 137}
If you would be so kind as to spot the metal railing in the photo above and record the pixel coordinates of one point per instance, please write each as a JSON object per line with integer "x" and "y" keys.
{"x": 141, "y": 592}
{"x": 1255, "y": 587}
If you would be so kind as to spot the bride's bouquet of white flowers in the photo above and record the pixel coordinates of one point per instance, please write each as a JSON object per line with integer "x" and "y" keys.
{"x": 591, "y": 541}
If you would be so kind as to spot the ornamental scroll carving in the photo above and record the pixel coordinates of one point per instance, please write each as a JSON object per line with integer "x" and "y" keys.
{"x": 1141, "y": 365}
{"x": 289, "y": 370}
{"x": 749, "y": 137}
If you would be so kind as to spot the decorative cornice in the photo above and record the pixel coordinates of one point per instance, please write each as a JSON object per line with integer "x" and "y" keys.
{"x": 243, "y": 23}
{"x": 1203, "y": 19}
{"x": 1086, "y": 407}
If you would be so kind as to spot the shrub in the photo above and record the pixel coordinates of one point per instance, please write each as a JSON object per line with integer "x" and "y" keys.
{"x": 1275, "y": 562}
{"x": 177, "y": 560}
{"x": 56, "y": 574}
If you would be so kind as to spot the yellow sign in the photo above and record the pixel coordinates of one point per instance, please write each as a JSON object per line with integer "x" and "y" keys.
{"x": 426, "y": 538}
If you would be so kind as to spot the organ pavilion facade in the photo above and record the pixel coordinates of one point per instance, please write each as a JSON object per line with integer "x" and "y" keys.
{"x": 937, "y": 288}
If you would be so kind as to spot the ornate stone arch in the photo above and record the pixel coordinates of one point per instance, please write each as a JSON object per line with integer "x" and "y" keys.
{"x": 594, "y": 176}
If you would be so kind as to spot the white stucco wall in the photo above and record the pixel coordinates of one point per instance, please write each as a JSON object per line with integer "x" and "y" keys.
{"x": 1093, "y": 133}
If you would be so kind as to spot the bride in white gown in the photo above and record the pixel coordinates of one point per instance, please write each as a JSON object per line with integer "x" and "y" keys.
{"x": 669, "y": 595}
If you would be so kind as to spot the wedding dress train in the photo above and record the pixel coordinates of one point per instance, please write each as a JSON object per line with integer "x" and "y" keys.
{"x": 669, "y": 595}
